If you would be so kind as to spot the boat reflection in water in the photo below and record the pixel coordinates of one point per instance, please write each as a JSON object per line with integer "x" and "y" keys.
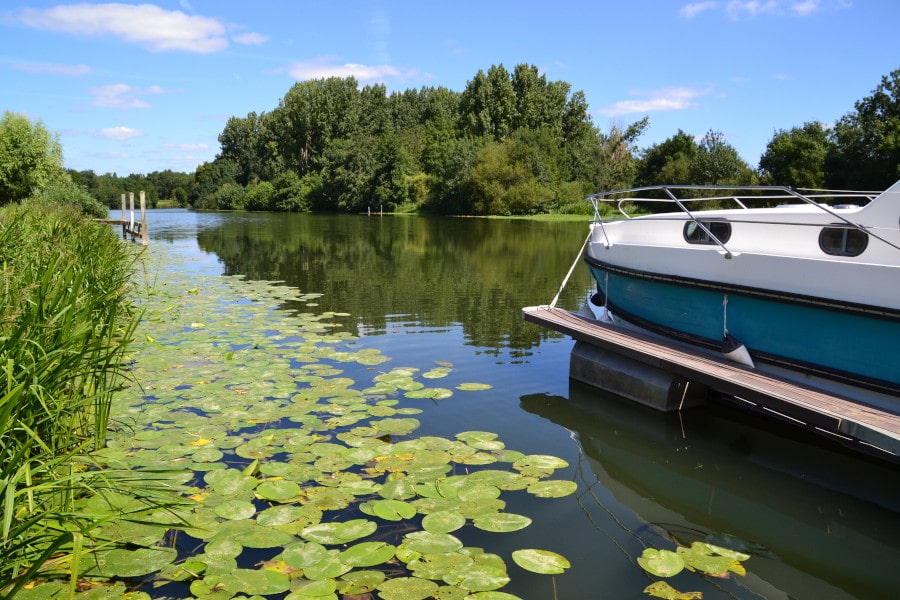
{"x": 818, "y": 521}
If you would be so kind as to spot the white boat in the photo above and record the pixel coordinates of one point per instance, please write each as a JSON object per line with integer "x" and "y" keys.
{"x": 803, "y": 284}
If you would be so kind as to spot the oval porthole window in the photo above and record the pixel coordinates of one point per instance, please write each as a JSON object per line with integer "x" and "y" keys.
{"x": 843, "y": 241}
{"x": 695, "y": 234}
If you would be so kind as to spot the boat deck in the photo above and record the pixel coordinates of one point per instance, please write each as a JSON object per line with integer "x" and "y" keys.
{"x": 861, "y": 427}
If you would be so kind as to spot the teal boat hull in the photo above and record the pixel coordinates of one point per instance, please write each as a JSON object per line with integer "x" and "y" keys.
{"x": 852, "y": 344}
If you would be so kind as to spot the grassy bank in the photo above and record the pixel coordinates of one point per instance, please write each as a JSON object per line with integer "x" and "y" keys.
{"x": 65, "y": 323}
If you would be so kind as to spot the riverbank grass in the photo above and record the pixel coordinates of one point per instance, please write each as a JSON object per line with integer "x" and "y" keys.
{"x": 65, "y": 323}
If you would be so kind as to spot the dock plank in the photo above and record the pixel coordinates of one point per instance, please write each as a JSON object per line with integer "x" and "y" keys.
{"x": 867, "y": 428}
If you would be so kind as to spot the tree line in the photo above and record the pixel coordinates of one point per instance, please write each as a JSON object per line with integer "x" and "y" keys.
{"x": 511, "y": 143}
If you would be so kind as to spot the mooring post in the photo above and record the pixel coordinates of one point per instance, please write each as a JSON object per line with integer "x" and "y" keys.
{"x": 124, "y": 220}
{"x": 144, "y": 239}
{"x": 131, "y": 223}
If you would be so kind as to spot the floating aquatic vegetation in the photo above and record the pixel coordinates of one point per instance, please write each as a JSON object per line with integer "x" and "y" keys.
{"x": 290, "y": 438}
{"x": 703, "y": 557}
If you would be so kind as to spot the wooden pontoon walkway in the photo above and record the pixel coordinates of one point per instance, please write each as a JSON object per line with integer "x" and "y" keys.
{"x": 864, "y": 428}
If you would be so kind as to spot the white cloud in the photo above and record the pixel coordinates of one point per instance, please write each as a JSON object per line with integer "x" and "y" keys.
{"x": 749, "y": 9}
{"x": 320, "y": 70}
{"x": 739, "y": 10}
{"x": 250, "y": 39}
{"x": 689, "y": 11}
{"x": 185, "y": 147}
{"x": 665, "y": 99}
{"x": 122, "y": 95}
{"x": 53, "y": 69}
{"x": 120, "y": 133}
{"x": 152, "y": 26}
{"x": 802, "y": 9}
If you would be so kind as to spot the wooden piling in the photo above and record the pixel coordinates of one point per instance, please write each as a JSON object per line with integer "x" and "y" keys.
{"x": 124, "y": 223}
{"x": 128, "y": 223}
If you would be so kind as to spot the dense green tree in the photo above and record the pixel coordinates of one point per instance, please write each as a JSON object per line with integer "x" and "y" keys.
{"x": 718, "y": 163}
{"x": 375, "y": 110}
{"x": 796, "y": 157}
{"x": 866, "y": 150}
{"x": 348, "y": 175}
{"x": 668, "y": 162}
{"x": 449, "y": 161}
{"x": 244, "y": 141}
{"x": 392, "y": 166}
{"x": 209, "y": 177}
{"x": 539, "y": 151}
{"x": 167, "y": 184}
{"x": 228, "y": 196}
{"x": 617, "y": 162}
{"x": 180, "y": 196}
{"x": 87, "y": 179}
{"x": 440, "y": 107}
{"x": 501, "y": 185}
{"x": 310, "y": 116}
{"x": 259, "y": 196}
{"x": 488, "y": 104}
{"x": 30, "y": 157}
{"x": 291, "y": 193}
{"x": 538, "y": 103}
{"x": 411, "y": 147}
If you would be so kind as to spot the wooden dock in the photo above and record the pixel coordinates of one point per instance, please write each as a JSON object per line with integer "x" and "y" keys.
{"x": 131, "y": 227}
{"x": 870, "y": 430}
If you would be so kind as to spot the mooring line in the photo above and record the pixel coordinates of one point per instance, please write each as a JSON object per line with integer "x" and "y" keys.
{"x": 572, "y": 268}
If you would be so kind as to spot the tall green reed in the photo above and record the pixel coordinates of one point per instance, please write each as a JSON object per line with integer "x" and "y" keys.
{"x": 65, "y": 324}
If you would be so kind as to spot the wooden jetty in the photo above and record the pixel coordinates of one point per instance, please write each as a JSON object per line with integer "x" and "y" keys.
{"x": 864, "y": 428}
{"x": 131, "y": 227}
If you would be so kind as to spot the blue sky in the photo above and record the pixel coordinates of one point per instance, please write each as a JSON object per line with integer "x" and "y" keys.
{"x": 135, "y": 88}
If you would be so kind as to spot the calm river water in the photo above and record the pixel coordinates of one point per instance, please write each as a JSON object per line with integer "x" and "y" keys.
{"x": 819, "y": 521}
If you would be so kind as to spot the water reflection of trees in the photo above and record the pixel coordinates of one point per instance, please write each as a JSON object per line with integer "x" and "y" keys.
{"x": 437, "y": 271}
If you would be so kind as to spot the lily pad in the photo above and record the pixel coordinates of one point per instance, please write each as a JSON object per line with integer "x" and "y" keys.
{"x": 662, "y": 563}
{"x": 436, "y": 566}
{"x": 304, "y": 554}
{"x": 502, "y": 522}
{"x": 368, "y": 554}
{"x": 474, "y": 387}
{"x": 444, "y": 521}
{"x": 330, "y": 567}
{"x": 230, "y": 482}
{"x": 430, "y": 543}
{"x": 662, "y": 589}
{"x": 278, "y": 490}
{"x": 235, "y": 510}
{"x": 393, "y": 510}
{"x": 358, "y": 583}
{"x": 552, "y": 489}
{"x": 430, "y": 394}
{"x": 706, "y": 558}
{"x": 314, "y": 589}
{"x": 407, "y": 588}
{"x": 339, "y": 533}
{"x": 479, "y": 577}
{"x": 134, "y": 563}
{"x": 544, "y": 562}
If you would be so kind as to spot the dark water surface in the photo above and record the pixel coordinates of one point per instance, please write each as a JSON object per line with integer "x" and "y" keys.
{"x": 819, "y": 521}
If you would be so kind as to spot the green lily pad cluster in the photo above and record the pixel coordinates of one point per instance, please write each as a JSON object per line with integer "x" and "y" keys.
{"x": 700, "y": 556}
{"x": 254, "y": 417}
